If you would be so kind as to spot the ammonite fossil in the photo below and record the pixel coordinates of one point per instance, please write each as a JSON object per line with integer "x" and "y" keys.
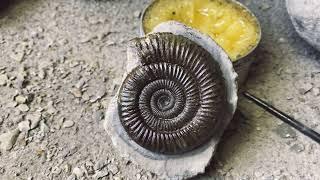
{"x": 175, "y": 99}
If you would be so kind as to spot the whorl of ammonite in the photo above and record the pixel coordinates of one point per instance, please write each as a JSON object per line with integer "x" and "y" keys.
{"x": 172, "y": 102}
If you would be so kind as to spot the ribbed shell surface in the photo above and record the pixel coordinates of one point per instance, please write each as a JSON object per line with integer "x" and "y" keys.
{"x": 173, "y": 102}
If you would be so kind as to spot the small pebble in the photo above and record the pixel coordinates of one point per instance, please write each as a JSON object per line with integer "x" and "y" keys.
{"x": 297, "y": 148}
{"x": 76, "y": 92}
{"x": 7, "y": 140}
{"x": 97, "y": 96}
{"x": 3, "y": 79}
{"x": 316, "y": 91}
{"x": 89, "y": 167}
{"x": 113, "y": 169}
{"x": 285, "y": 131}
{"x": 268, "y": 177}
{"x": 21, "y": 99}
{"x": 78, "y": 172}
{"x": 42, "y": 74}
{"x": 305, "y": 88}
{"x": 44, "y": 127}
{"x": 67, "y": 124}
{"x": 2, "y": 170}
{"x": 67, "y": 168}
{"x": 24, "y": 126}
{"x": 117, "y": 178}
{"x": 12, "y": 104}
{"x": 23, "y": 107}
{"x": 72, "y": 177}
{"x": 17, "y": 56}
{"x": 282, "y": 40}
{"x": 34, "y": 118}
{"x": 80, "y": 84}
{"x": 137, "y": 14}
{"x": 100, "y": 165}
{"x": 138, "y": 176}
{"x": 50, "y": 108}
{"x": 100, "y": 174}
{"x": 99, "y": 115}
{"x": 56, "y": 170}
{"x": 86, "y": 96}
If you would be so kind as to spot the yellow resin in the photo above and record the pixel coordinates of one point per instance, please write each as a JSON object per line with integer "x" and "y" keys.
{"x": 230, "y": 25}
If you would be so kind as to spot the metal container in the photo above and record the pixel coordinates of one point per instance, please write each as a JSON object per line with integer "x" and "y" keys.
{"x": 243, "y": 63}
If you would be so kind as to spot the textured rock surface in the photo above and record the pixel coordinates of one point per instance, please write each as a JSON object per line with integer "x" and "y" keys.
{"x": 55, "y": 61}
{"x": 305, "y": 16}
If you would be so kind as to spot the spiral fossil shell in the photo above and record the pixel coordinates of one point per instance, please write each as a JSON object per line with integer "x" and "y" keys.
{"x": 175, "y": 99}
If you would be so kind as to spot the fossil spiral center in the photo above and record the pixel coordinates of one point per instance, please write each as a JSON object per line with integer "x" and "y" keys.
{"x": 165, "y": 100}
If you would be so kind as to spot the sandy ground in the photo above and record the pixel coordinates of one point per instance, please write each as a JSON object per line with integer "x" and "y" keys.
{"x": 62, "y": 61}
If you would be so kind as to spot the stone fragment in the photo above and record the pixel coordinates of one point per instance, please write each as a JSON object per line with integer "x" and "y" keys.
{"x": 89, "y": 167}
{"x": 297, "y": 148}
{"x": 102, "y": 35}
{"x": 2, "y": 170}
{"x": 117, "y": 178}
{"x": 67, "y": 168}
{"x": 44, "y": 127}
{"x": 100, "y": 165}
{"x": 100, "y": 174}
{"x": 23, "y": 107}
{"x": 21, "y": 75}
{"x": 56, "y": 170}
{"x": 21, "y": 99}
{"x": 67, "y": 124}
{"x": 34, "y": 118}
{"x": 137, "y": 14}
{"x": 80, "y": 83}
{"x": 99, "y": 115}
{"x": 138, "y": 176}
{"x": 285, "y": 131}
{"x": 113, "y": 169}
{"x": 24, "y": 126}
{"x": 98, "y": 95}
{"x": 12, "y": 104}
{"x": 7, "y": 140}
{"x": 76, "y": 92}
{"x": 316, "y": 91}
{"x": 85, "y": 96}
{"x": 265, "y": 6}
{"x": 50, "y": 108}
{"x": 72, "y": 177}
{"x": 78, "y": 172}
{"x": 42, "y": 73}
{"x": 3, "y": 79}
{"x": 18, "y": 56}
{"x": 305, "y": 88}
{"x": 74, "y": 64}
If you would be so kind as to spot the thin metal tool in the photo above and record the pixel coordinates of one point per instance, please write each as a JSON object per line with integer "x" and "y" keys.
{"x": 284, "y": 117}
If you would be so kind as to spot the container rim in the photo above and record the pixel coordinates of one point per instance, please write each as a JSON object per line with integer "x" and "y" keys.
{"x": 255, "y": 19}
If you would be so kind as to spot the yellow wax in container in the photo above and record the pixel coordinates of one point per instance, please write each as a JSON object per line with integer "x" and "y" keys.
{"x": 230, "y": 25}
